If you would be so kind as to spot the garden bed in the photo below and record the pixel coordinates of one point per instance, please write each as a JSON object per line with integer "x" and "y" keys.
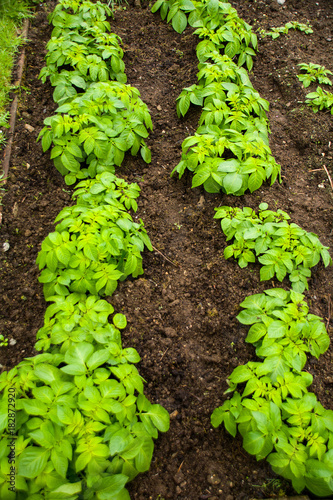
{"x": 182, "y": 312}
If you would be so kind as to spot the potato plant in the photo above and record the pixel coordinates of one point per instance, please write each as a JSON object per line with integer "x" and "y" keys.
{"x": 233, "y": 124}
{"x": 278, "y": 418}
{"x": 82, "y": 426}
{"x": 283, "y": 249}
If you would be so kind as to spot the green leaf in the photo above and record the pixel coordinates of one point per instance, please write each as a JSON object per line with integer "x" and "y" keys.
{"x": 119, "y": 321}
{"x": 60, "y": 462}
{"x": 230, "y": 424}
{"x": 255, "y": 181}
{"x": 47, "y": 140}
{"x": 253, "y": 442}
{"x": 89, "y": 145}
{"x": 109, "y": 487}
{"x": 69, "y": 162}
{"x": 278, "y": 460}
{"x": 83, "y": 460}
{"x": 179, "y": 21}
{"x": 200, "y": 178}
{"x": 34, "y": 407}
{"x": 46, "y": 373}
{"x": 267, "y": 273}
{"x": 217, "y": 417}
{"x": 232, "y": 183}
{"x": 157, "y": 5}
{"x": 32, "y": 462}
{"x": 277, "y": 329}
{"x": 98, "y": 358}
{"x": 160, "y": 417}
{"x": 91, "y": 252}
{"x": 143, "y": 458}
{"x": 119, "y": 441}
{"x": 66, "y": 491}
{"x": 256, "y": 332}
{"x": 146, "y": 154}
{"x": 213, "y": 7}
{"x": 184, "y": 104}
{"x": 240, "y": 374}
{"x": 74, "y": 369}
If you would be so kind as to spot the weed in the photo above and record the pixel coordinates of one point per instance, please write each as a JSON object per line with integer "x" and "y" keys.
{"x": 313, "y": 73}
{"x": 320, "y": 100}
{"x": 276, "y": 32}
{"x": 3, "y": 341}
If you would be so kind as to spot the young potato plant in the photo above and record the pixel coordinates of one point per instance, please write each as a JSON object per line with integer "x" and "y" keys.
{"x": 108, "y": 118}
{"x": 233, "y": 124}
{"x": 94, "y": 245}
{"x": 320, "y": 100}
{"x": 282, "y": 248}
{"x": 229, "y": 151}
{"x": 100, "y": 124}
{"x": 93, "y": 53}
{"x": 174, "y": 10}
{"x": 276, "y": 415}
{"x": 83, "y": 426}
{"x": 284, "y": 30}
{"x": 314, "y": 73}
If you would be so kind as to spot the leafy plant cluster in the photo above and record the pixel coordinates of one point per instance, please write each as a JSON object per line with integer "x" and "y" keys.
{"x": 93, "y": 246}
{"x": 314, "y": 73}
{"x": 84, "y": 427}
{"x": 81, "y": 424}
{"x": 278, "y": 418}
{"x": 230, "y": 150}
{"x": 284, "y": 30}
{"x": 281, "y": 247}
{"x": 276, "y": 415}
{"x": 320, "y": 99}
{"x": 98, "y": 120}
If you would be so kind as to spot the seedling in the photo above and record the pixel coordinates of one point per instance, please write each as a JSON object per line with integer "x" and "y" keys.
{"x": 276, "y": 32}
{"x": 3, "y": 341}
{"x": 320, "y": 100}
{"x": 313, "y": 73}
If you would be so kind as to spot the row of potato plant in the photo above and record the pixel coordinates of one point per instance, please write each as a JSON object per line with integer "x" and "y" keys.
{"x": 275, "y": 414}
{"x": 233, "y": 123}
{"x": 278, "y": 418}
{"x": 74, "y": 420}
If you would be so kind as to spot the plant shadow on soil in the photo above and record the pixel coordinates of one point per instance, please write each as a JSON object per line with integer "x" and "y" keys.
{"x": 182, "y": 315}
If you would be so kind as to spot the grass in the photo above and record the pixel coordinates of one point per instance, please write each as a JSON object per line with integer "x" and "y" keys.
{"x": 12, "y": 13}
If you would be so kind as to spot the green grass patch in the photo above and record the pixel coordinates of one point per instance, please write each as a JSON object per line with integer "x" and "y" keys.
{"x": 11, "y": 17}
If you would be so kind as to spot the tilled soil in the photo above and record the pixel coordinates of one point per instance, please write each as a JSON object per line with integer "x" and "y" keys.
{"x": 182, "y": 312}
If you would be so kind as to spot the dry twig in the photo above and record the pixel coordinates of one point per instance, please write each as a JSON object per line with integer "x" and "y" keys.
{"x": 328, "y": 175}
{"x": 166, "y": 258}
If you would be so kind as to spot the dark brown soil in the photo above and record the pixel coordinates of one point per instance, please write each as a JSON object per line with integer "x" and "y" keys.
{"x": 182, "y": 315}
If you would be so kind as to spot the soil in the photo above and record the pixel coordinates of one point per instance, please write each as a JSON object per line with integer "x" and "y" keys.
{"x": 182, "y": 312}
